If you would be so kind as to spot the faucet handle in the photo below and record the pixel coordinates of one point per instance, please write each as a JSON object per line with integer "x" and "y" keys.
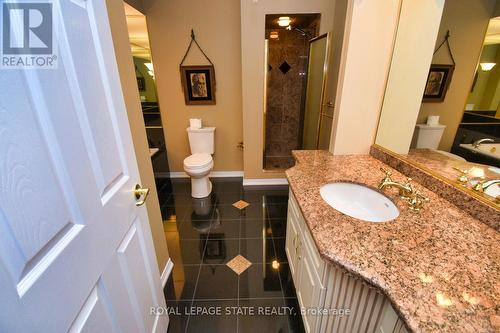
{"x": 479, "y": 186}
{"x": 416, "y": 201}
{"x": 462, "y": 179}
{"x": 388, "y": 173}
{"x": 462, "y": 171}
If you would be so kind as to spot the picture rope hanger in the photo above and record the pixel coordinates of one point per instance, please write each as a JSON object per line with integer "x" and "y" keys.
{"x": 193, "y": 39}
{"x": 447, "y": 42}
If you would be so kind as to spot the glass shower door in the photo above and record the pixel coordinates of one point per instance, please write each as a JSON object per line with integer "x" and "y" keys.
{"x": 316, "y": 80}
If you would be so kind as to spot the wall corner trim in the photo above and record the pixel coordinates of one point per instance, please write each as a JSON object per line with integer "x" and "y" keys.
{"x": 166, "y": 272}
{"x": 264, "y": 181}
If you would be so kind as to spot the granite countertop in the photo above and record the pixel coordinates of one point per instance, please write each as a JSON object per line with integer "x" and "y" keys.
{"x": 440, "y": 268}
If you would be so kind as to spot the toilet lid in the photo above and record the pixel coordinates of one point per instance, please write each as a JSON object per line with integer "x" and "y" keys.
{"x": 197, "y": 161}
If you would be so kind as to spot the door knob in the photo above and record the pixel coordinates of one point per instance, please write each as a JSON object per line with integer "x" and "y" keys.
{"x": 139, "y": 193}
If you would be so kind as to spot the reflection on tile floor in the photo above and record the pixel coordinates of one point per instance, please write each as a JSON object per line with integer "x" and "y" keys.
{"x": 203, "y": 235}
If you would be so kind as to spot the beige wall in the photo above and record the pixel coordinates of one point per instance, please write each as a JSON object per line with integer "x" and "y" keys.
{"x": 119, "y": 31}
{"x": 252, "y": 46}
{"x": 417, "y": 29}
{"x": 467, "y": 22}
{"x": 366, "y": 54}
{"x": 217, "y": 27}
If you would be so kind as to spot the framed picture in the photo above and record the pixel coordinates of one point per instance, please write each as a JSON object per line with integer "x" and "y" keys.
{"x": 437, "y": 84}
{"x": 198, "y": 83}
{"x": 141, "y": 83}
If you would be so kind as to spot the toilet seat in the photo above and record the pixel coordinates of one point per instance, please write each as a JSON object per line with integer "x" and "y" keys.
{"x": 197, "y": 161}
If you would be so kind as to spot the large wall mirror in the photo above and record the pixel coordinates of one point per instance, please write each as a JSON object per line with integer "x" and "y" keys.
{"x": 447, "y": 120}
{"x": 295, "y": 114}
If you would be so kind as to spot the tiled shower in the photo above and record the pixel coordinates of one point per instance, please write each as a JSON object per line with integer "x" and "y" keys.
{"x": 287, "y": 60}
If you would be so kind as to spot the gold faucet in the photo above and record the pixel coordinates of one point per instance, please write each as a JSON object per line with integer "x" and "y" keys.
{"x": 405, "y": 190}
{"x": 414, "y": 199}
{"x": 463, "y": 179}
{"x": 483, "y": 184}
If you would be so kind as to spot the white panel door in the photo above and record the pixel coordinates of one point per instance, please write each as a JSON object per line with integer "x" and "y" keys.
{"x": 76, "y": 254}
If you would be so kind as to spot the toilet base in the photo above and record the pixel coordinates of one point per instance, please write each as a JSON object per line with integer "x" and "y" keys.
{"x": 201, "y": 187}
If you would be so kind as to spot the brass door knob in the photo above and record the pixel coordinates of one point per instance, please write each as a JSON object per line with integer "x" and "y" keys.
{"x": 139, "y": 193}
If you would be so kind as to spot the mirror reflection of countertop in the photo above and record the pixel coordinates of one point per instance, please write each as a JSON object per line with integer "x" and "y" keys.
{"x": 439, "y": 267}
{"x": 444, "y": 165}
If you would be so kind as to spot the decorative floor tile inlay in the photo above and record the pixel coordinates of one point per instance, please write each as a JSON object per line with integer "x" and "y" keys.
{"x": 239, "y": 264}
{"x": 241, "y": 204}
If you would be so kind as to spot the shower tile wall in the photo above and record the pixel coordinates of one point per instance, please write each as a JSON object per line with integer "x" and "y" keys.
{"x": 287, "y": 58}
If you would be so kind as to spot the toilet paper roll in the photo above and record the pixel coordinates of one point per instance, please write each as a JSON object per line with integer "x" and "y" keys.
{"x": 433, "y": 120}
{"x": 195, "y": 123}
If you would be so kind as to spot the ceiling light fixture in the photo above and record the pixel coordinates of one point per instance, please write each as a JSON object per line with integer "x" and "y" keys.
{"x": 149, "y": 65}
{"x": 273, "y": 35}
{"x": 487, "y": 66}
{"x": 151, "y": 70}
{"x": 284, "y": 21}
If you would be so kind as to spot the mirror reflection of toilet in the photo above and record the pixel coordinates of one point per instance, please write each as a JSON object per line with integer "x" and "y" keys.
{"x": 200, "y": 163}
{"x": 429, "y": 136}
{"x": 205, "y": 215}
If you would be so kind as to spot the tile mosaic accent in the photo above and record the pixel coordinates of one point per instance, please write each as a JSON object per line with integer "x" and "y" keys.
{"x": 239, "y": 264}
{"x": 241, "y": 204}
{"x": 285, "y": 67}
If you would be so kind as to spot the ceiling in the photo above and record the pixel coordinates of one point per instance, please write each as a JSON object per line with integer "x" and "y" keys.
{"x": 298, "y": 20}
{"x": 137, "y": 32}
{"x": 493, "y": 32}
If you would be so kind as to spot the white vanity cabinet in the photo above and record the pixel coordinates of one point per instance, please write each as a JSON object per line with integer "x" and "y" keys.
{"x": 323, "y": 286}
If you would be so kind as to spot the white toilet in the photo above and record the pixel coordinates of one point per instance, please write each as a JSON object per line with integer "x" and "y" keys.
{"x": 200, "y": 163}
{"x": 429, "y": 136}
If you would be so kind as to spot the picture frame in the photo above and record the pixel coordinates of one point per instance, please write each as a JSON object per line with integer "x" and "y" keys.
{"x": 198, "y": 84}
{"x": 437, "y": 83}
{"x": 141, "y": 83}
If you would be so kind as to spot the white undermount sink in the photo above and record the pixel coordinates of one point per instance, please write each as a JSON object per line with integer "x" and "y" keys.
{"x": 359, "y": 201}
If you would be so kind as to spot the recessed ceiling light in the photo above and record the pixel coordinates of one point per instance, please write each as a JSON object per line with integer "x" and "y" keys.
{"x": 284, "y": 21}
{"x": 487, "y": 66}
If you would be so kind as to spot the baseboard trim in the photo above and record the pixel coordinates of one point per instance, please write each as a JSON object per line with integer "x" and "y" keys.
{"x": 166, "y": 272}
{"x": 264, "y": 181}
{"x": 213, "y": 174}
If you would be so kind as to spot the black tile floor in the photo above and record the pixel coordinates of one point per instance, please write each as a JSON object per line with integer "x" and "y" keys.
{"x": 205, "y": 295}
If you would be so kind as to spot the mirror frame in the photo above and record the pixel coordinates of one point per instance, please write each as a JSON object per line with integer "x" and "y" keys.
{"x": 483, "y": 198}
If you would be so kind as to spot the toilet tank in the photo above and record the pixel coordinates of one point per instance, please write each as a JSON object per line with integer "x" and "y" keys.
{"x": 201, "y": 140}
{"x": 428, "y": 136}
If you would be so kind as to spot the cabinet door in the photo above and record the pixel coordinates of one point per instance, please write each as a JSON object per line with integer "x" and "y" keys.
{"x": 309, "y": 288}
{"x": 292, "y": 235}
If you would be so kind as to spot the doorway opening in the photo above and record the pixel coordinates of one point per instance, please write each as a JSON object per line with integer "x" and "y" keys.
{"x": 296, "y": 61}
{"x": 146, "y": 85}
